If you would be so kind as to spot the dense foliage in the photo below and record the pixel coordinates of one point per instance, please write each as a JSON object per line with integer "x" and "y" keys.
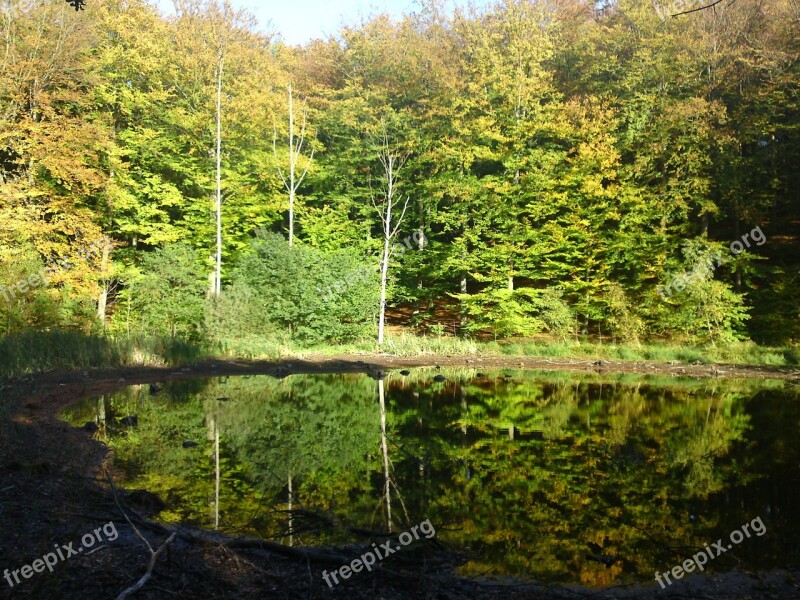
{"x": 562, "y": 161}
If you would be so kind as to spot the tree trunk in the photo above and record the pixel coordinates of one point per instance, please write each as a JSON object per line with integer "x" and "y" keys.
{"x": 292, "y": 181}
{"x": 392, "y": 164}
{"x": 218, "y": 273}
{"x": 102, "y": 303}
{"x": 102, "y": 299}
{"x": 385, "y": 270}
{"x": 292, "y": 165}
{"x": 463, "y": 291}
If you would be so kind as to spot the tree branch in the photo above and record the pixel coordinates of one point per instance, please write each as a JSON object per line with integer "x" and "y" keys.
{"x": 144, "y": 579}
{"x": 153, "y": 554}
{"x": 712, "y": 5}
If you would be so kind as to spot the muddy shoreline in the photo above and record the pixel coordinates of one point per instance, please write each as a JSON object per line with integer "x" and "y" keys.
{"x": 53, "y": 488}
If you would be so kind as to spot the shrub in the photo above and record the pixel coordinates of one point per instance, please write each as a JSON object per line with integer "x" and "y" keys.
{"x": 300, "y": 291}
{"x": 169, "y": 296}
{"x": 520, "y": 312}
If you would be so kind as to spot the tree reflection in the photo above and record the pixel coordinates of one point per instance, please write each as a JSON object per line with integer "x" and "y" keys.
{"x": 561, "y": 477}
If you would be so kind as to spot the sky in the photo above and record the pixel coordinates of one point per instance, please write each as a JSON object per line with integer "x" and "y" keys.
{"x": 299, "y": 21}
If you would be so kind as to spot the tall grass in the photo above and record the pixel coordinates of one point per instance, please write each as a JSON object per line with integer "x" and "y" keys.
{"x": 740, "y": 353}
{"x": 32, "y": 352}
{"x": 254, "y": 347}
{"x": 412, "y": 345}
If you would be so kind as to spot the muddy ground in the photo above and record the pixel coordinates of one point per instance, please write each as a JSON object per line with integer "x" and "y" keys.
{"x": 54, "y": 489}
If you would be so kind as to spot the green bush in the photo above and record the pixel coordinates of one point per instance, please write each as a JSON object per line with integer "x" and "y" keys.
{"x": 698, "y": 307}
{"x": 520, "y": 312}
{"x": 169, "y": 295}
{"x": 300, "y": 292}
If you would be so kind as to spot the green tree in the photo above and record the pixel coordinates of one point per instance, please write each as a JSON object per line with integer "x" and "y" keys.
{"x": 169, "y": 296}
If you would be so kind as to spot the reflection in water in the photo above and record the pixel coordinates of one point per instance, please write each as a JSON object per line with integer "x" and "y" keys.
{"x": 389, "y": 482}
{"x": 560, "y": 477}
{"x": 385, "y": 452}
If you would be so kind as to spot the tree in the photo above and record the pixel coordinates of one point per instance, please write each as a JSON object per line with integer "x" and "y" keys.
{"x": 54, "y": 145}
{"x": 169, "y": 296}
{"x": 220, "y": 36}
{"x": 296, "y": 142}
{"x": 298, "y": 292}
{"x": 392, "y": 161}
{"x": 218, "y": 207}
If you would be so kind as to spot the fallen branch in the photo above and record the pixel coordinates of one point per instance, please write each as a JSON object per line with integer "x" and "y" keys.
{"x": 153, "y": 558}
{"x": 154, "y": 554}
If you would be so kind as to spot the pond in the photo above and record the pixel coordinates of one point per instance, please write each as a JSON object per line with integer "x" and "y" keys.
{"x": 559, "y": 477}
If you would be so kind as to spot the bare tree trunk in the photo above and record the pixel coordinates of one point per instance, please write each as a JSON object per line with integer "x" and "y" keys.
{"x": 463, "y": 291}
{"x": 420, "y": 246}
{"x": 102, "y": 303}
{"x": 385, "y": 268}
{"x": 392, "y": 163}
{"x": 296, "y": 142}
{"x": 218, "y": 273}
{"x": 292, "y": 159}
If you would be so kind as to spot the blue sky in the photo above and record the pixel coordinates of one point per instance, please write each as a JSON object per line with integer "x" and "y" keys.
{"x": 299, "y": 21}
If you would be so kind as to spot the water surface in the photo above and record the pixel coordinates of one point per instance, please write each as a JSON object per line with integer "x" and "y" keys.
{"x": 560, "y": 477}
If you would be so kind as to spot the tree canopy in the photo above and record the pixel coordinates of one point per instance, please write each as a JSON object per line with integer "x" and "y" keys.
{"x": 564, "y": 160}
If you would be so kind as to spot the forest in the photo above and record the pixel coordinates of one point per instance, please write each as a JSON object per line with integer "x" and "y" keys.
{"x": 525, "y": 270}
{"x": 566, "y": 169}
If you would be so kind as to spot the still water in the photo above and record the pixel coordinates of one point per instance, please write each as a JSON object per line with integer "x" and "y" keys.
{"x": 559, "y": 477}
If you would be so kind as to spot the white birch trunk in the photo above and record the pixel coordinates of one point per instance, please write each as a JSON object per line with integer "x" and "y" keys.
{"x": 218, "y": 271}
{"x": 391, "y": 163}
{"x": 387, "y": 238}
{"x": 102, "y": 299}
{"x": 291, "y": 180}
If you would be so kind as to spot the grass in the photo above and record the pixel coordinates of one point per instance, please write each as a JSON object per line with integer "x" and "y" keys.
{"x": 64, "y": 350}
{"x": 253, "y": 347}
{"x": 406, "y": 344}
{"x": 31, "y": 352}
{"x": 413, "y": 345}
{"x": 739, "y": 353}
